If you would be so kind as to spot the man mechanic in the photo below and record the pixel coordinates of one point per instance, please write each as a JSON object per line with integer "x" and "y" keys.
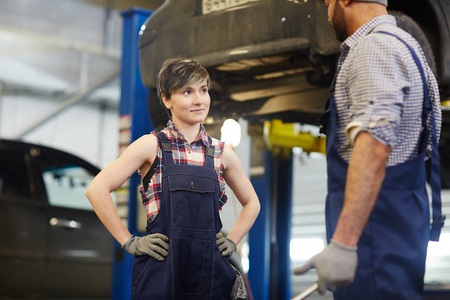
{"x": 382, "y": 122}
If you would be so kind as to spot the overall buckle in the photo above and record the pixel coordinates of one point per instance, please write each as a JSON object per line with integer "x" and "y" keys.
{"x": 436, "y": 226}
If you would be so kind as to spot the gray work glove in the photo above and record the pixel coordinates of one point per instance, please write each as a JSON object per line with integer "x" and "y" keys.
{"x": 336, "y": 266}
{"x": 154, "y": 245}
{"x": 226, "y": 246}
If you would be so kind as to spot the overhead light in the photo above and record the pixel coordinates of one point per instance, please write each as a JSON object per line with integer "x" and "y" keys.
{"x": 231, "y": 133}
{"x": 239, "y": 51}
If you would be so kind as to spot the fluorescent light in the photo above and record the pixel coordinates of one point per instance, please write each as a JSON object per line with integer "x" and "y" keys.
{"x": 231, "y": 133}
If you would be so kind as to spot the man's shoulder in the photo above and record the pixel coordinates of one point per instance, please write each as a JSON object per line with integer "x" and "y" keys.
{"x": 384, "y": 39}
{"x": 389, "y": 28}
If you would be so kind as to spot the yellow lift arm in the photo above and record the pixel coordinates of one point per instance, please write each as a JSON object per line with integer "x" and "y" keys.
{"x": 279, "y": 135}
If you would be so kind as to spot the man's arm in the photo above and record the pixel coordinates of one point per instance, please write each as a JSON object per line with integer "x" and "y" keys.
{"x": 365, "y": 175}
{"x": 336, "y": 264}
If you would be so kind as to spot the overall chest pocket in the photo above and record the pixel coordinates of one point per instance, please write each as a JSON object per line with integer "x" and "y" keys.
{"x": 192, "y": 202}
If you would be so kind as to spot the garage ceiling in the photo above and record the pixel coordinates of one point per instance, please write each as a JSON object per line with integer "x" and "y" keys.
{"x": 58, "y": 47}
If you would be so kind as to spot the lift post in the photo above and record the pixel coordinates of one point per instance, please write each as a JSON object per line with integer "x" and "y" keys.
{"x": 269, "y": 238}
{"x": 134, "y": 122}
{"x": 259, "y": 236}
{"x": 282, "y": 216}
{"x": 271, "y": 176}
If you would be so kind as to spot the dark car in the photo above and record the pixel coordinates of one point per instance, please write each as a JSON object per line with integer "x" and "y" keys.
{"x": 52, "y": 245}
{"x": 276, "y": 58}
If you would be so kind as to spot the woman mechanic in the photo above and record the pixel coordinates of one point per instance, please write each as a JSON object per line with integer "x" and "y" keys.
{"x": 183, "y": 255}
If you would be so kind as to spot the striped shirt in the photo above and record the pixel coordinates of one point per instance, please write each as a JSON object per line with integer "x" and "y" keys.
{"x": 379, "y": 90}
{"x": 183, "y": 153}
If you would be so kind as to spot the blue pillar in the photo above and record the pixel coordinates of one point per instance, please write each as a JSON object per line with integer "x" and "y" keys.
{"x": 259, "y": 237}
{"x": 282, "y": 170}
{"x": 270, "y": 236}
{"x": 134, "y": 122}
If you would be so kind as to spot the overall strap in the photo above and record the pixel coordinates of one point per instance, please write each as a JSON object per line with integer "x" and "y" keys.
{"x": 325, "y": 117}
{"x": 438, "y": 218}
{"x": 166, "y": 147}
{"x": 209, "y": 154}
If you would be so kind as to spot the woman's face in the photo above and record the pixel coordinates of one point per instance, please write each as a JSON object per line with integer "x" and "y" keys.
{"x": 189, "y": 105}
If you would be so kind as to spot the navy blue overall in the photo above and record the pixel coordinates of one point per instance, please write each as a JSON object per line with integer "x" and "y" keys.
{"x": 189, "y": 216}
{"x": 393, "y": 246}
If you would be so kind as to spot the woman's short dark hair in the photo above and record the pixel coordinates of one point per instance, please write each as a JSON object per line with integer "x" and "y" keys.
{"x": 178, "y": 73}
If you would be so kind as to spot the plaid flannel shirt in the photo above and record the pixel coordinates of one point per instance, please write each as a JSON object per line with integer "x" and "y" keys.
{"x": 379, "y": 90}
{"x": 183, "y": 153}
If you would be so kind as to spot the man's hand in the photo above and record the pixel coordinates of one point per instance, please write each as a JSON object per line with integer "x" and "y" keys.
{"x": 226, "y": 246}
{"x": 335, "y": 265}
{"x": 154, "y": 245}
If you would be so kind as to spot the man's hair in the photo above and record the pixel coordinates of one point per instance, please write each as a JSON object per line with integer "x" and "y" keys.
{"x": 178, "y": 73}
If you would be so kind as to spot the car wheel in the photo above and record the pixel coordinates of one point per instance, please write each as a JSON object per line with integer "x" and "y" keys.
{"x": 409, "y": 25}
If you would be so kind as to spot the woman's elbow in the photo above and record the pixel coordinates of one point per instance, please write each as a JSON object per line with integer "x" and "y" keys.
{"x": 92, "y": 190}
{"x": 256, "y": 206}
{"x": 89, "y": 192}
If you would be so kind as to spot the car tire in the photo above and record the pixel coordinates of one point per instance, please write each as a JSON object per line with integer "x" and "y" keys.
{"x": 409, "y": 25}
{"x": 159, "y": 115}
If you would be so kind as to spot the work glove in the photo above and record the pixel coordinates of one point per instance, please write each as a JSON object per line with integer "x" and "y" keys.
{"x": 154, "y": 245}
{"x": 226, "y": 246}
{"x": 335, "y": 265}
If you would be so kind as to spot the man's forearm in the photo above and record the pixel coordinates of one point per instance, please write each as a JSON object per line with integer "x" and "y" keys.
{"x": 365, "y": 176}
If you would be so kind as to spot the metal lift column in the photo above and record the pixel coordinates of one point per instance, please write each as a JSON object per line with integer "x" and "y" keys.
{"x": 282, "y": 216}
{"x": 134, "y": 122}
{"x": 259, "y": 236}
{"x": 269, "y": 238}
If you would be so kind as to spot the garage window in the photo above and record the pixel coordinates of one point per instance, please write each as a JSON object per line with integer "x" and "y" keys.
{"x": 308, "y": 216}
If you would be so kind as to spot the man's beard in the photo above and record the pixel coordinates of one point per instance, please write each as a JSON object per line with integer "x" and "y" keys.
{"x": 338, "y": 23}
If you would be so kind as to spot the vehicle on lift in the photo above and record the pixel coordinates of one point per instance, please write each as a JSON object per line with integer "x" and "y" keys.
{"x": 52, "y": 243}
{"x": 276, "y": 58}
